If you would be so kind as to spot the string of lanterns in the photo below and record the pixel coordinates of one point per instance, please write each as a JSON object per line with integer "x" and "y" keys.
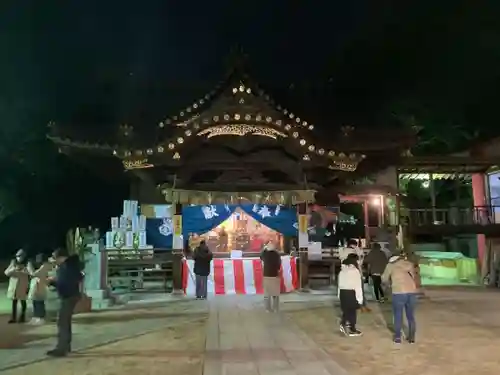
{"x": 216, "y": 127}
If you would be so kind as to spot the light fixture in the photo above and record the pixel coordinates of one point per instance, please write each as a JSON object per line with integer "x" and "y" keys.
{"x": 160, "y": 149}
{"x": 306, "y": 157}
{"x": 311, "y": 127}
{"x": 176, "y": 156}
{"x": 311, "y": 148}
{"x": 248, "y": 90}
{"x": 302, "y": 142}
{"x": 287, "y": 127}
{"x": 149, "y": 151}
{"x": 236, "y": 116}
{"x": 321, "y": 151}
{"x": 295, "y": 134}
{"x": 235, "y": 90}
{"x": 375, "y": 201}
{"x": 241, "y": 130}
{"x": 248, "y": 117}
{"x": 226, "y": 117}
{"x": 331, "y": 153}
{"x": 171, "y": 146}
{"x": 161, "y": 125}
{"x": 242, "y": 88}
{"x": 188, "y": 133}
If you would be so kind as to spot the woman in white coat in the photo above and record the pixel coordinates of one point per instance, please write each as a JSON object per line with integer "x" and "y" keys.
{"x": 18, "y": 275}
{"x": 39, "y": 273}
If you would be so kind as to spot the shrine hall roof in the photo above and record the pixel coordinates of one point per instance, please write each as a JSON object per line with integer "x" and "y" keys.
{"x": 236, "y": 106}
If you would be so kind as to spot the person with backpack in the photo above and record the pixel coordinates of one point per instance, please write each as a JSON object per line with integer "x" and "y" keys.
{"x": 202, "y": 257}
{"x": 400, "y": 274}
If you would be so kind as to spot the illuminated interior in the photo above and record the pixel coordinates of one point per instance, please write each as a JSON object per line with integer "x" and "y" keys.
{"x": 239, "y": 232}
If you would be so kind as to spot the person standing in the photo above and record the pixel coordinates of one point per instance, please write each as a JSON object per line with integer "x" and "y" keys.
{"x": 39, "y": 273}
{"x": 202, "y": 257}
{"x": 272, "y": 278}
{"x": 376, "y": 260}
{"x": 67, "y": 283}
{"x": 350, "y": 294}
{"x": 17, "y": 291}
{"x": 400, "y": 274}
{"x": 353, "y": 248}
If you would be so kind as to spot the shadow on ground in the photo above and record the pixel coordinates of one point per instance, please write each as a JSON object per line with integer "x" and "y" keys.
{"x": 16, "y": 336}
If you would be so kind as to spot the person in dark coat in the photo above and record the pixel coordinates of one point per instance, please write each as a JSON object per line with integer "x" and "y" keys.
{"x": 67, "y": 284}
{"x": 377, "y": 260}
{"x": 272, "y": 279}
{"x": 202, "y": 257}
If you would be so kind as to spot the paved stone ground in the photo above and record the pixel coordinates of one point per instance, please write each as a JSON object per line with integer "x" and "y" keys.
{"x": 458, "y": 333}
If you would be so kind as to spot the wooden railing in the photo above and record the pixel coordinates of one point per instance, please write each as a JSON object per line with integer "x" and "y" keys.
{"x": 478, "y": 215}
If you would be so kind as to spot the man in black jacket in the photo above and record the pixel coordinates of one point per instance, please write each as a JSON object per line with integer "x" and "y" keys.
{"x": 377, "y": 260}
{"x": 67, "y": 283}
{"x": 202, "y": 257}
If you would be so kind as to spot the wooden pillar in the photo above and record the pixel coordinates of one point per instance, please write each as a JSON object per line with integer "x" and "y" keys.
{"x": 432, "y": 191}
{"x": 177, "y": 254}
{"x": 481, "y": 215}
{"x": 367, "y": 222}
{"x": 303, "y": 250}
{"x": 381, "y": 223}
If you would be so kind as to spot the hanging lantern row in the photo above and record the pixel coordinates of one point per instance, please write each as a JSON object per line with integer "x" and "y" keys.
{"x": 340, "y": 160}
{"x": 243, "y": 89}
{"x": 189, "y": 111}
{"x": 191, "y": 125}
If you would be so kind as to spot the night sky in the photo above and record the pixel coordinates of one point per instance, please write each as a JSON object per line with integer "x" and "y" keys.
{"x": 108, "y": 62}
{"x": 97, "y": 64}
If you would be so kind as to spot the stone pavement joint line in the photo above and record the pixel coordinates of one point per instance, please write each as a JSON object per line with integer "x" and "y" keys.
{"x": 97, "y": 335}
{"x": 249, "y": 341}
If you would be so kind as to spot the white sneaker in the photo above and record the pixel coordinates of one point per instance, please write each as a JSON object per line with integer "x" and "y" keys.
{"x": 40, "y": 321}
{"x": 33, "y": 321}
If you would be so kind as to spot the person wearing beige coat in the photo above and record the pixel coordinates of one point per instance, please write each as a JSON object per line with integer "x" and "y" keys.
{"x": 18, "y": 275}
{"x": 39, "y": 287}
{"x": 401, "y": 275}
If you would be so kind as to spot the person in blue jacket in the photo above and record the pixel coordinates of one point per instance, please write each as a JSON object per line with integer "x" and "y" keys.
{"x": 67, "y": 282}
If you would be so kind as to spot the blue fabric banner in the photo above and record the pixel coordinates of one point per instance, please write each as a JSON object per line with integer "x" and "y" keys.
{"x": 277, "y": 217}
{"x": 159, "y": 232}
{"x": 195, "y": 219}
{"x": 201, "y": 219}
